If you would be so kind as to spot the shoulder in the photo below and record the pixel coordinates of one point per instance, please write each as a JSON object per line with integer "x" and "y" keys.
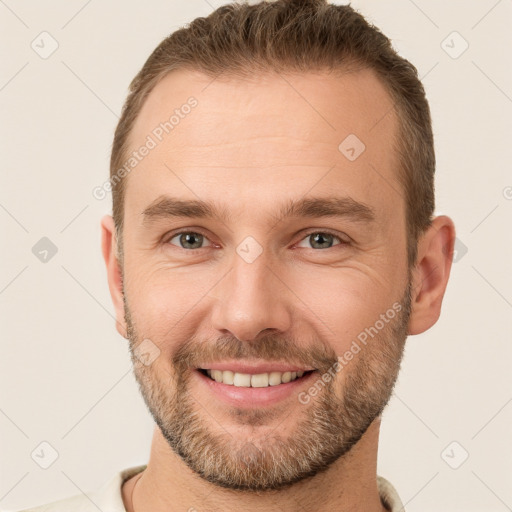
{"x": 108, "y": 498}
{"x": 78, "y": 503}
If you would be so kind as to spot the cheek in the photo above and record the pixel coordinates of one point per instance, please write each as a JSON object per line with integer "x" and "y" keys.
{"x": 342, "y": 303}
{"x": 164, "y": 303}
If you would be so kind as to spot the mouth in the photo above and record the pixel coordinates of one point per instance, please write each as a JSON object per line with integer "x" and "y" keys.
{"x": 254, "y": 380}
{"x": 247, "y": 386}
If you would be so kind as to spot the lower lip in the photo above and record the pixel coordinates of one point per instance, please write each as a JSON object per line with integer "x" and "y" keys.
{"x": 248, "y": 397}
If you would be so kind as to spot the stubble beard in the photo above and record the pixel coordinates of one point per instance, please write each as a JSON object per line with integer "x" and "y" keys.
{"x": 329, "y": 425}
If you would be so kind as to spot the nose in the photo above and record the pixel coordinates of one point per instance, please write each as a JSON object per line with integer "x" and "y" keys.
{"x": 252, "y": 298}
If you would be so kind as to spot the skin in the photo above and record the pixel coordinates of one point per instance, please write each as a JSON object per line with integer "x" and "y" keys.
{"x": 252, "y": 145}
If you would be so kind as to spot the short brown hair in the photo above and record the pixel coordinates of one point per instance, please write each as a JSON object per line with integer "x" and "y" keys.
{"x": 300, "y": 36}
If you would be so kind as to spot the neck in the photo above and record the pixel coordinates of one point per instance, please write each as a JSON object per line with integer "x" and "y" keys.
{"x": 349, "y": 484}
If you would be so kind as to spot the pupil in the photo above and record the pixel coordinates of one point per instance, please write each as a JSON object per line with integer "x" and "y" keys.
{"x": 187, "y": 237}
{"x": 322, "y": 237}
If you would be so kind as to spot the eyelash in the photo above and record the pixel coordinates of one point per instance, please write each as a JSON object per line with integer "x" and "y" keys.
{"x": 199, "y": 232}
{"x": 326, "y": 232}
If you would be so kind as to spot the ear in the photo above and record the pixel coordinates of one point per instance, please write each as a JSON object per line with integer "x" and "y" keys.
{"x": 431, "y": 273}
{"x": 115, "y": 282}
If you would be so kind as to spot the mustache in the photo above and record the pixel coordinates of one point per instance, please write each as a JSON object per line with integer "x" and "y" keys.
{"x": 269, "y": 348}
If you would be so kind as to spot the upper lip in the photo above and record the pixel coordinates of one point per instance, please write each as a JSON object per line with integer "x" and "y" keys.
{"x": 255, "y": 368}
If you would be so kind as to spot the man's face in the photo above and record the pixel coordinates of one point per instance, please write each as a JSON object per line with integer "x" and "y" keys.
{"x": 256, "y": 287}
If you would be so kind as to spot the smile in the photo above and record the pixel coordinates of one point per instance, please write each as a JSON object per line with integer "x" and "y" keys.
{"x": 260, "y": 380}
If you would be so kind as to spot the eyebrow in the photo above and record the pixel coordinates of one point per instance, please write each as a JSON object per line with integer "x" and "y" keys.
{"x": 309, "y": 207}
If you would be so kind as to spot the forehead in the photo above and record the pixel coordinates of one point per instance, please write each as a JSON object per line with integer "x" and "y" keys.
{"x": 267, "y": 135}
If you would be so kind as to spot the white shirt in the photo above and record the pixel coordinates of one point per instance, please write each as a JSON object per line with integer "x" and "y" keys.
{"x": 108, "y": 498}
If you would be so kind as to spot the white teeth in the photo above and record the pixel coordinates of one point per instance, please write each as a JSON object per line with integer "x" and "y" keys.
{"x": 260, "y": 380}
{"x": 242, "y": 380}
{"x": 228, "y": 377}
{"x": 274, "y": 378}
{"x": 217, "y": 375}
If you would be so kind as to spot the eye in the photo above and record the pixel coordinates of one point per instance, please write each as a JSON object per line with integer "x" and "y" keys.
{"x": 322, "y": 239}
{"x": 188, "y": 239}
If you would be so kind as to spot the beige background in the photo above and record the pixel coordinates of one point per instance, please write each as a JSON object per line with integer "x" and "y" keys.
{"x": 65, "y": 372}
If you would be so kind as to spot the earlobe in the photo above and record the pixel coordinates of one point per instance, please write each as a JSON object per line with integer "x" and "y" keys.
{"x": 114, "y": 276}
{"x": 431, "y": 274}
